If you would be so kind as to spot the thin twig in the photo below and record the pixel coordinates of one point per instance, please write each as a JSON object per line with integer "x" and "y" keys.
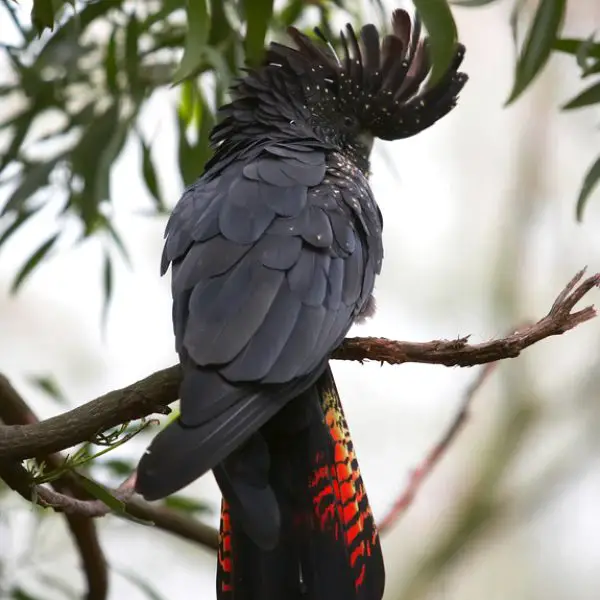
{"x": 70, "y": 498}
{"x": 154, "y": 393}
{"x": 422, "y": 472}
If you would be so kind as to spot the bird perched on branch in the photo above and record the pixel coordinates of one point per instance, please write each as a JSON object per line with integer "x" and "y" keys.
{"x": 274, "y": 253}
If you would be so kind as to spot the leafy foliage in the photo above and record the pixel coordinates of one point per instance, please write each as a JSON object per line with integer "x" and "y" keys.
{"x": 87, "y": 86}
{"x": 92, "y": 84}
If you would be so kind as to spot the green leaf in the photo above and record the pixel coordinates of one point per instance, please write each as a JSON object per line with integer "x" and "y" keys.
{"x": 108, "y": 156}
{"x": 34, "y": 178}
{"x": 589, "y": 96}
{"x": 258, "y": 15}
{"x": 150, "y": 179}
{"x": 107, "y": 287}
{"x": 20, "y": 219}
{"x": 42, "y": 15}
{"x": 48, "y": 384}
{"x": 132, "y": 55}
{"x": 206, "y": 122}
{"x": 118, "y": 240}
{"x": 101, "y": 493}
{"x": 119, "y": 467}
{"x": 21, "y": 126}
{"x": 291, "y": 13}
{"x": 18, "y": 593}
{"x": 195, "y": 40}
{"x": 110, "y": 63}
{"x": 589, "y": 183}
{"x": 73, "y": 28}
{"x": 186, "y": 101}
{"x": 186, "y": 505}
{"x": 584, "y": 52}
{"x": 32, "y": 262}
{"x": 187, "y": 164}
{"x": 539, "y": 40}
{"x": 573, "y": 45}
{"x": 220, "y": 29}
{"x": 439, "y": 23}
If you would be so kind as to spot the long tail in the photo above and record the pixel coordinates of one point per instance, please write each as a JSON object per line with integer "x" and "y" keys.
{"x": 328, "y": 546}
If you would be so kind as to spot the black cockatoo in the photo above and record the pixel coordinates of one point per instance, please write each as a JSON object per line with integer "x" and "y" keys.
{"x": 274, "y": 253}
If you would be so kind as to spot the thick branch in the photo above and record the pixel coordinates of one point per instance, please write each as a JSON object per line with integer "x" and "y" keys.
{"x": 14, "y": 410}
{"x": 155, "y": 392}
{"x": 70, "y": 498}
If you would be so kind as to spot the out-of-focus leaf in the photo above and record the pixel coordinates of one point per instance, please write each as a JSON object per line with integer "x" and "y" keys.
{"x": 150, "y": 179}
{"x": 20, "y": 219}
{"x": 110, "y": 63}
{"x": 101, "y": 493}
{"x": 291, "y": 13}
{"x": 186, "y": 101}
{"x": 49, "y": 385}
{"x": 108, "y": 154}
{"x": 132, "y": 34}
{"x": 32, "y": 262}
{"x": 187, "y": 505}
{"x": 589, "y": 96}
{"x": 18, "y": 593}
{"x": 73, "y": 28}
{"x": 439, "y": 23}
{"x": 92, "y": 159}
{"x": 573, "y": 45}
{"x": 107, "y": 287}
{"x": 119, "y": 467}
{"x": 185, "y": 153}
{"x": 118, "y": 240}
{"x": 220, "y": 28}
{"x": 206, "y": 122}
{"x": 258, "y": 15}
{"x": 584, "y": 52}
{"x": 195, "y": 40}
{"x": 218, "y": 62}
{"x": 21, "y": 126}
{"x": 34, "y": 178}
{"x": 544, "y": 29}
{"x": 143, "y": 585}
{"x": 590, "y": 181}
{"x": 42, "y": 15}
{"x": 166, "y": 8}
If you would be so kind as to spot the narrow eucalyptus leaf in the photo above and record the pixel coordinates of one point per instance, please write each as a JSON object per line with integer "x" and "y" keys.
{"x": 544, "y": 29}
{"x": 101, "y": 493}
{"x": 150, "y": 179}
{"x": 590, "y": 181}
{"x": 258, "y": 15}
{"x": 589, "y": 96}
{"x": 195, "y": 40}
{"x": 32, "y": 262}
{"x": 42, "y": 15}
{"x": 441, "y": 28}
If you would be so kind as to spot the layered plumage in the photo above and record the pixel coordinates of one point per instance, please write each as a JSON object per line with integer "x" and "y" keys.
{"x": 274, "y": 253}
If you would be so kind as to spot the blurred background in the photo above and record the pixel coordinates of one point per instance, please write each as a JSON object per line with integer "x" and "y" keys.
{"x": 480, "y": 235}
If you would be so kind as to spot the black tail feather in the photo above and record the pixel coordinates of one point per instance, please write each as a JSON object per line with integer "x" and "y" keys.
{"x": 328, "y": 547}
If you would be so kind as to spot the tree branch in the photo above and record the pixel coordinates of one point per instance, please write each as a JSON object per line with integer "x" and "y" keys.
{"x": 70, "y": 498}
{"x": 155, "y": 392}
{"x": 424, "y": 470}
{"x": 13, "y": 410}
